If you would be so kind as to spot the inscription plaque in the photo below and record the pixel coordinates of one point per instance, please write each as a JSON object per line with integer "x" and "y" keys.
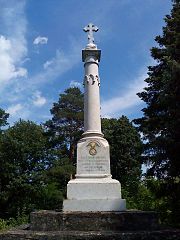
{"x": 93, "y": 158}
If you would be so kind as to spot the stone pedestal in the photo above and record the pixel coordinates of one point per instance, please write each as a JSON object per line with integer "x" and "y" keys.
{"x": 93, "y": 196}
{"x": 93, "y": 190}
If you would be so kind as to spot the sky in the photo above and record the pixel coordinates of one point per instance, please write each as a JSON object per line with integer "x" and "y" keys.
{"x": 41, "y": 44}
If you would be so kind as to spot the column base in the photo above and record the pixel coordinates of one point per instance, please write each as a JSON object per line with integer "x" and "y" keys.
{"x": 91, "y": 133}
{"x": 94, "y": 205}
{"x": 94, "y": 195}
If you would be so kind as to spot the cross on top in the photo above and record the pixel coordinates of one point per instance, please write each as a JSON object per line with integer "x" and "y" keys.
{"x": 90, "y": 28}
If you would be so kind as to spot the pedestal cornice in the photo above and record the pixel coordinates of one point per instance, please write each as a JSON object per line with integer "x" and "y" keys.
{"x": 96, "y": 53}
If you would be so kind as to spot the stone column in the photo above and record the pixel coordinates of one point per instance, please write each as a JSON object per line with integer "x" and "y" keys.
{"x": 92, "y": 120}
{"x": 93, "y": 189}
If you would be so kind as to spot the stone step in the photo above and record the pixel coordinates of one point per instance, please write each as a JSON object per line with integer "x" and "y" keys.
{"x": 93, "y": 221}
{"x": 167, "y": 234}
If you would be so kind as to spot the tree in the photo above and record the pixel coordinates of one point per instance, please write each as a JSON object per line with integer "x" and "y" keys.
{"x": 66, "y": 125}
{"x": 160, "y": 124}
{"x": 3, "y": 118}
{"x": 22, "y": 161}
{"x": 125, "y": 151}
{"x": 55, "y": 181}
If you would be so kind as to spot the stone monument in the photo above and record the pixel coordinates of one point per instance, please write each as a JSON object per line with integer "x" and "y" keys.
{"x": 93, "y": 189}
{"x": 94, "y": 208}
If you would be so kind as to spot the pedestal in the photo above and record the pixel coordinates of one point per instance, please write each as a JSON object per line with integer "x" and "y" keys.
{"x": 93, "y": 190}
{"x": 93, "y": 195}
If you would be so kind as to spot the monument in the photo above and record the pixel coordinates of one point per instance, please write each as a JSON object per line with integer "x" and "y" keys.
{"x": 94, "y": 208}
{"x": 93, "y": 188}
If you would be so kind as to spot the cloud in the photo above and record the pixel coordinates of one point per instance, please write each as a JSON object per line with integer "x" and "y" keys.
{"x": 13, "y": 110}
{"x": 13, "y": 46}
{"x": 18, "y": 111}
{"x": 47, "y": 64}
{"x": 38, "y": 99}
{"x": 8, "y": 62}
{"x": 56, "y": 66}
{"x": 116, "y": 106}
{"x": 75, "y": 84}
{"x": 40, "y": 40}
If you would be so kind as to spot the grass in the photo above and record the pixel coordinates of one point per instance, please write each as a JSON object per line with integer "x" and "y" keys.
{"x": 6, "y": 224}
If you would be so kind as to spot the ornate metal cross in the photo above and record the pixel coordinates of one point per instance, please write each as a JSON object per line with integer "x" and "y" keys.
{"x": 90, "y": 28}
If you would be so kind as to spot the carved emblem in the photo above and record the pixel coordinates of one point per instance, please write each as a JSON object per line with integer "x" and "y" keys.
{"x": 98, "y": 80}
{"x": 86, "y": 79}
{"x": 93, "y": 148}
{"x": 90, "y": 79}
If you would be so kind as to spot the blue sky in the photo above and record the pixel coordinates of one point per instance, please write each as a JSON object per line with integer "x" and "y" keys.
{"x": 40, "y": 52}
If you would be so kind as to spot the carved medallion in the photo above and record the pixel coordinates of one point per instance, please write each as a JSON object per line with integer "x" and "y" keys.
{"x": 93, "y": 148}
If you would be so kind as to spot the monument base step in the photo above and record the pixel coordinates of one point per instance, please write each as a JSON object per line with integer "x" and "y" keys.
{"x": 170, "y": 234}
{"x": 129, "y": 225}
{"x": 94, "y": 205}
{"x": 89, "y": 221}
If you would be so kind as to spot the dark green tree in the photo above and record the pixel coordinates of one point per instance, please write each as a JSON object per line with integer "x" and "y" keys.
{"x": 66, "y": 125}
{"x": 3, "y": 118}
{"x": 125, "y": 152}
{"x": 22, "y": 160}
{"x": 160, "y": 124}
{"x": 55, "y": 181}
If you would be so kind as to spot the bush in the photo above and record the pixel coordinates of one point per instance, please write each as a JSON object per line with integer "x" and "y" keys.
{"x": 13, "y": 222}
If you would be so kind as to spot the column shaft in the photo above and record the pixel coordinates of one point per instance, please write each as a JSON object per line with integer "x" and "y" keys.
{"x": 92, "y": 120}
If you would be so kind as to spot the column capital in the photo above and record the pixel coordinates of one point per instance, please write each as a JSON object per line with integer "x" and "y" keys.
{"x": 96, "y": 53}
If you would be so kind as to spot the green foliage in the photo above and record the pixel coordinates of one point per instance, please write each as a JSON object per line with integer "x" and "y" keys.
{"x": 161, "y": 121}
{"x": 51, "y": 197}
{"x": 125, "y": 151}
{"x": 22, "y": 160}
{"x": 65, "y": 128}
{"x": 142, "y": 200}
{"x": 13, "y": 222}
{"x": 55, "y": 181}
{"x": 3, "y": 118}
{"x": 3, "y": 224}
{"x": 33, "y": 175}
{"x": 146, "y": 199}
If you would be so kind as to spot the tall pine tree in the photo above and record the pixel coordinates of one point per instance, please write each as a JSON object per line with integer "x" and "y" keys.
{"x": 66, "y": 125}
{"x": 161, "y": 121}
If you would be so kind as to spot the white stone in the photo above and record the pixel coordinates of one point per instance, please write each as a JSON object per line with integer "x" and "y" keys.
{"x": 94, "y": 205}
{"x": 105, "y": 188}
{"x": 92, "y": 120}
{"x": 93, "y": 157}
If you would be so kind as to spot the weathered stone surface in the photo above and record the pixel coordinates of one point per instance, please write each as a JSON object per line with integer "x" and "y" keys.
{"x": 99, "y": 221}
{"x": 101, "y": 230}
{"x": 97, "y": 235}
